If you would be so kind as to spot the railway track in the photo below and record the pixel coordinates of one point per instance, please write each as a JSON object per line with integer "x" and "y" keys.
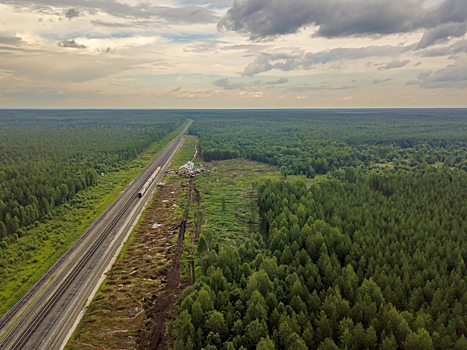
{"x": 44, "y": 317}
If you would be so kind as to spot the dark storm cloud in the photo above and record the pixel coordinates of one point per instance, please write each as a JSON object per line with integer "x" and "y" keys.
{"x": 335, "y": 18}
{"x": 265, "y": 19}
{"x": 72, "y": 13}
{"x": 448, "y": 11}
{"x": 71, "y": 44}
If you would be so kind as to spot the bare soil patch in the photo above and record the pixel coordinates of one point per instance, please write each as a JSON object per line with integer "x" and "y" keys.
{"x": 154, "y": 336}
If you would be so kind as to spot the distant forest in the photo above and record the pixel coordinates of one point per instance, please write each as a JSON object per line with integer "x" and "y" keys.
{"x": 371, "y": 256}
{"x": 309, "y": 143}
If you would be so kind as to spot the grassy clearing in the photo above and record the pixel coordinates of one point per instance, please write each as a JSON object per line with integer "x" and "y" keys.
{"x": 185, "y": 153}
{"x": 47, "y": 241}
{"x": 229, "y": 212}
{"x": 229, "y": 198}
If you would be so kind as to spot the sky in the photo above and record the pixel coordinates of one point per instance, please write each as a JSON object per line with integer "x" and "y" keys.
{"x": 233, "y": 54}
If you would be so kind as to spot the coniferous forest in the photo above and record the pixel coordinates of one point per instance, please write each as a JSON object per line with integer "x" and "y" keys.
{"x": 371, "y": 256}
{"x": 360, "y": 245}
{"x": 47, "y": 157}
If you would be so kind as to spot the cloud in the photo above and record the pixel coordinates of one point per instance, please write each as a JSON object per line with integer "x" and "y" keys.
{"x": 203, "y": 46}
{"x": 10, "y": 40}
{"x": 276, "y": 82}
{"x": 259, "y": 65}
{"x": 394, "y": 64}
{"x": 226, "y": 84}
{"x": 262, "y": 19}
{"x": 110, "y": 24}
{"x": 454, "y": 76}
{"x": 453, "y": 49}
{"x": 380, "y": 81}
{"x": 321, "y": 87}
{"x": 60, "y": 68}
{"x": 424, "y": 75}
{"x": 71, "y": 44}
{"x": 187, "y": 14}
{"x": 413, "y": 82}
{"x": 141, "y": 10}
{"x": 442, "y": 33}
{"x": 447, "y": 11}
{"x": 217, "y": 94}
{"x": 299, "y": 59}
{"x": 266, "y": 19}
{"x": 71, "y": 13}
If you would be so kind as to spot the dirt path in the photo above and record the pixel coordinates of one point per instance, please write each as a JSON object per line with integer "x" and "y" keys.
{"x": 162, "y": 312}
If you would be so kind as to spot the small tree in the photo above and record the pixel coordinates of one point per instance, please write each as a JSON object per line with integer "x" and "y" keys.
{"x": 284, "y": 171}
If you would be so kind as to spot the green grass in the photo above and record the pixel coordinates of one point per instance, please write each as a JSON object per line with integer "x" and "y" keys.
{"x": 186, "y": 152}
{"x": 234, "y": 183}
{"x": 34, "y": 253}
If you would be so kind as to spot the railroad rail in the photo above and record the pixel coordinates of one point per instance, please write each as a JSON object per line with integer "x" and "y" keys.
{"x": 45, "y": 316}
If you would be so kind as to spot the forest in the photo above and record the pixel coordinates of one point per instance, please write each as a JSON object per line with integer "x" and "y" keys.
{"x": 47, "y": 157}
{"x": 371, "y": 256}
{"x": 359, "y": 243}
{"x": 310, "y": 143}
